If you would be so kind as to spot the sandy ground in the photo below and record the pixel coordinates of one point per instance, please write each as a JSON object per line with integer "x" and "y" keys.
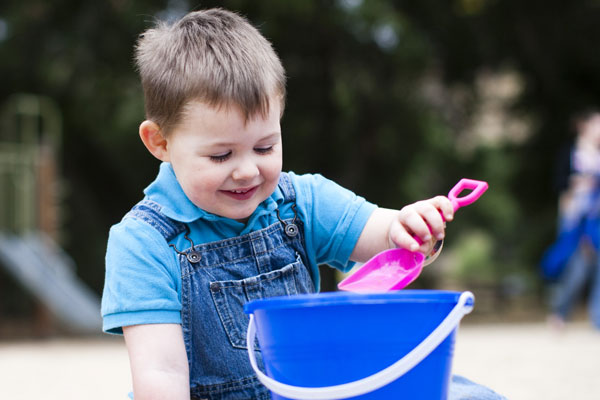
{"x": 521, "y": 361}
{"x": 530, "y": 361}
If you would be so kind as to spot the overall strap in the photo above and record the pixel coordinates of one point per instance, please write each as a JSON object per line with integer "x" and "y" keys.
{"x": 287, "y": 188}
{"x": 150, "y": 212}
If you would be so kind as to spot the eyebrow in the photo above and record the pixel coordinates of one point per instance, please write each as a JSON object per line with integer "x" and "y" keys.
{"x": 265, "y": 138}
{"x": 270, "y": 136}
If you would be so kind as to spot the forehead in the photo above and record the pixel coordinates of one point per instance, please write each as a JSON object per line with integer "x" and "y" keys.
{"x": 226, "y": 121}
{"x": 203, "y": 108}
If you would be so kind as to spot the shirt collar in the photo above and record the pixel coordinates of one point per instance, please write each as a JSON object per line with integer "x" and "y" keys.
{"x": 166, "y": 191}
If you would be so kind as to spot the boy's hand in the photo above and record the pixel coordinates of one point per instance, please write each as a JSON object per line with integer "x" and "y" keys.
{"x": 422, "y": 220}
{"x": 387, "y": 228}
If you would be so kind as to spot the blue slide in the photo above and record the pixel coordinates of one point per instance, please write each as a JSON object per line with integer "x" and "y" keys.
{"x": 48, "y": 274}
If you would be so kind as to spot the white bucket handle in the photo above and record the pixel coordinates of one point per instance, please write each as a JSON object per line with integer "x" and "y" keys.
{"x": 372, "y": 382}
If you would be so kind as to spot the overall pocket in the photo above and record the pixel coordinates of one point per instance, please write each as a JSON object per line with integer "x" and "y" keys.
{"x": 230, "y": 296}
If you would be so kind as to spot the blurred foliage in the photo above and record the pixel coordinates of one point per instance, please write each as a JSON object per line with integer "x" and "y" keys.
{"x": 475, "y": 260}
{"x": 396, "y": 100}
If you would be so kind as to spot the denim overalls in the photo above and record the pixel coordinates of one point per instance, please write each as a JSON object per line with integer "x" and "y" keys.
{"x": 218, "y": 278}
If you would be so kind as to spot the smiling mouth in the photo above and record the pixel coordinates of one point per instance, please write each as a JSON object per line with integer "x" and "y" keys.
{"x": 241, "y": 194}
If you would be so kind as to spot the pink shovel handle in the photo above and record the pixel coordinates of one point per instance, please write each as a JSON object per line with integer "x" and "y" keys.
{"x": 477, "y": 189}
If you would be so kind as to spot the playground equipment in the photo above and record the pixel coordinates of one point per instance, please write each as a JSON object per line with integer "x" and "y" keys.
{"x": 30, "y": 138}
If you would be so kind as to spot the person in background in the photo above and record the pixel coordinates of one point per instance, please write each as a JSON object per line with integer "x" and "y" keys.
{"x": 574, "y": 256}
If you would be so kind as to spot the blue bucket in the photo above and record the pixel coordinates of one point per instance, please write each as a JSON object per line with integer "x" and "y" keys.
{"x": 361, "y": 346}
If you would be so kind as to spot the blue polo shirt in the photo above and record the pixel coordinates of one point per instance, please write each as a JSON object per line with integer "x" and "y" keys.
{"x": 143, "y": 275}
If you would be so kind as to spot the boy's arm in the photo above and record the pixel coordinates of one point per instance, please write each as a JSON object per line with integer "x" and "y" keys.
{"x": 388, "y": 228}
{"x": 158, "y": 360}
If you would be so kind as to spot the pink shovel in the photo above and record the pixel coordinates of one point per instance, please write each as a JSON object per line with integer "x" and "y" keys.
{"x": 395, "y": 269}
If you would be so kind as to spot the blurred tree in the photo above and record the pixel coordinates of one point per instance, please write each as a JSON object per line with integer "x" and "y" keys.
{"x": 382, "y": 96}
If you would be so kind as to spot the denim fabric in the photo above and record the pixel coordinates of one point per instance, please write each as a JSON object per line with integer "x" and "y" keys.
{"x": 583, "y": 268}
{"x": 463, "y": 389}
{"x": 215, "y": 287}
{"x": 594, "y": 300}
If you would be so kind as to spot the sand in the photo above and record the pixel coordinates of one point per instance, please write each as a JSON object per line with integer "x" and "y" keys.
{"x": 524, "y": 361}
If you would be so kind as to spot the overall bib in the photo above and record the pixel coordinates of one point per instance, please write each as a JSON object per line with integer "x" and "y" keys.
{"x": 218, "y": 278}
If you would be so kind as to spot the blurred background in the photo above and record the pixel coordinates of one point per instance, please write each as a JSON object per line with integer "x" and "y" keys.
{"x": 395, "y": 100}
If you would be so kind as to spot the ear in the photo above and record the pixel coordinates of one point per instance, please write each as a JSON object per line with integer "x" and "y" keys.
{"x": 153, "y": 139}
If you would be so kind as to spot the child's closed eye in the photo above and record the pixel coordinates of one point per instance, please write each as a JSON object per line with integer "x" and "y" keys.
{"x": 263, "y": 150}
{"x": 220, "y": 157}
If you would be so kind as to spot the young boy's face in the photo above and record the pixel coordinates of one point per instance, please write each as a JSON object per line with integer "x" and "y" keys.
{"x": 225, "y": 165}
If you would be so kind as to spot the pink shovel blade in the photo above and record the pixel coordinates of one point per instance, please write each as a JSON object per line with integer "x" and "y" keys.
{"x": 389, "y": 270}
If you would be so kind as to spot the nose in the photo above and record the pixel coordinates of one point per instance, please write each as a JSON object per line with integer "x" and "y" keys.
{"x": 246, "y": 170}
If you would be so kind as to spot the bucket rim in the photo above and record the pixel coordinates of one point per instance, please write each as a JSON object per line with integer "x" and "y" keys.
{"x": 349, "y": 298}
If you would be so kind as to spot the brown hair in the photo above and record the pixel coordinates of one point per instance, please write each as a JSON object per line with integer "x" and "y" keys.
{"x": 213, "y": 56}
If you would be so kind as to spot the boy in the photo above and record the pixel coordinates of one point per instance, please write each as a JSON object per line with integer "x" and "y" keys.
{"x": 221, "y": 224}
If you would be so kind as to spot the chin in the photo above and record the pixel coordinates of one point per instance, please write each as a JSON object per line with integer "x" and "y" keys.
{"x": 241, "y": 216}
{"x": 242, "y": 219}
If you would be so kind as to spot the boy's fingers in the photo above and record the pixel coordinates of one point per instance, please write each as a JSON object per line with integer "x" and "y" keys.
{"x": 419, "y": 223}
{"x": 430, "y": 212}
{"x": 446, "y": 208}
{"x": 401, "y": 238}
{"x": 416, "y": 223}
{"x": 435, "y": 222}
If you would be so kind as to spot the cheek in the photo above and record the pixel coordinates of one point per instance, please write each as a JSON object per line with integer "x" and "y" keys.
{"x": 208, "y": 184}
{"x": 272, "y": 166}
{"x": 271, "y": 175}
{"x": 199, "y": 186}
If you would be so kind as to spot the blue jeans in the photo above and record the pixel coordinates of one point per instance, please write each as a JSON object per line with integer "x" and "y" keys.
{"x": 463, "y": 389}
{"x": 583, "y": 267}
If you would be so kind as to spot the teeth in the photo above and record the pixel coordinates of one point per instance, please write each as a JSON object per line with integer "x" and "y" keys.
{"x": 239, "y": 191}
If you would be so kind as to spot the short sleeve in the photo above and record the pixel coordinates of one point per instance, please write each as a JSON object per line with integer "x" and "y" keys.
{"x": 142, "y": 284}
{"x": 334, "y": 218}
